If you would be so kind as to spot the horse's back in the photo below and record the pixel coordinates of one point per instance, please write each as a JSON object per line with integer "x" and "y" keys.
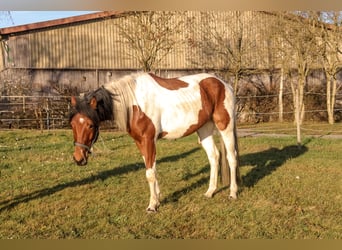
{"x": 180, "y": 110}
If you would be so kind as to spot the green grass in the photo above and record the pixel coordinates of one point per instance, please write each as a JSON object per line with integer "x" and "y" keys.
{"x": 288, "y": 193}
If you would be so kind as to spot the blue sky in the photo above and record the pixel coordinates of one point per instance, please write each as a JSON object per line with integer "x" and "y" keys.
{"x": 25, "y": 17}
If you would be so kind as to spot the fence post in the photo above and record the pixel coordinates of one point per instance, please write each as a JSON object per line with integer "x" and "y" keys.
{"x": 280, "y": 97}
{"x": 24, "y": 103}
{"x": 47, "y": 114}
{"x": 41, "y": 119}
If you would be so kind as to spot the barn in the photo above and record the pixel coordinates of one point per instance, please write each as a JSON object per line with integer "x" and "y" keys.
{"x": 58, "y": 58}
{"x": 86, "y": 51}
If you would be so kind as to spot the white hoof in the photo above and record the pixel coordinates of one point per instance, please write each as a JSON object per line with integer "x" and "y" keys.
{"x": 233, "y": 196}
{"x": 209, "y": 193}
{"x": 151, "y": 210}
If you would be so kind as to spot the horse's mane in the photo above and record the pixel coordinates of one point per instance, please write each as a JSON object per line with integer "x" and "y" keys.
{"x": 115, "y": 101}
{"x": 123, "y": 99}
{"x": 104, "y": 110}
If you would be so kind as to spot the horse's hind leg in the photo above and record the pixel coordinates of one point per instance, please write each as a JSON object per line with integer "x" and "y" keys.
{"x": 205, "y": 134}
{"x": 229, "y": 139}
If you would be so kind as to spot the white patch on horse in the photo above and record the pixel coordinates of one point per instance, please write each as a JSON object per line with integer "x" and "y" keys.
{"x": 154, "y": 188}
{"x": 176, "y": 110}
{"x": 81, "y": 120}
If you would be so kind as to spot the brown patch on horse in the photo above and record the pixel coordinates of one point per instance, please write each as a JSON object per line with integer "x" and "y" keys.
{"x": 203, "y": 117}
{"x": 170, "y": 84}
{"x": 162, "y": 134}
{"x": 212, "y": 97}
{"x": 217, "y": 92}
{"x": 142, "y": 130}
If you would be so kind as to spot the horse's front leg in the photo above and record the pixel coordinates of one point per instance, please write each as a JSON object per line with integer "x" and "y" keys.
{"x": 154, "y": 189}
{"x": 147, "y": 148}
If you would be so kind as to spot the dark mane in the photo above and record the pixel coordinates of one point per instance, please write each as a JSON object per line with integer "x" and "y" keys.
{"x": 104, "y": 110}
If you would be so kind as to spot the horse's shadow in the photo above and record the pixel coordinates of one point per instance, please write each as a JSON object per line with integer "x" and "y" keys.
{"x": 266, "y": 162}
{"x": 101, "y": 176}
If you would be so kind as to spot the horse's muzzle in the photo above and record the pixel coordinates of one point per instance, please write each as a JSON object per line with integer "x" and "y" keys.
{"x": 81, "y": 156}
{"x": 81, "y": 162}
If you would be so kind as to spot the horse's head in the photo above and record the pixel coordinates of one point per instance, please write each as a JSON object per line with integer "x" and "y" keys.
{"x": 84, "y": 126}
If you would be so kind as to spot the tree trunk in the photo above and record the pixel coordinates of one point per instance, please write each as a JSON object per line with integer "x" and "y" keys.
{"x": 281, "y": 89}
{"x": 333, "y": 98}
{"x": 298, "y": 103}
{"x": 330, "y": 99}
{"x": 300, "y": 106}
{"x": 301, "y": 99}
{"x": 298, "y": 117}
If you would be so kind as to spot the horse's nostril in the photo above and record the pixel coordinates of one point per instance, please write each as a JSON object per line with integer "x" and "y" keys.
{"x": 83, "y": 163}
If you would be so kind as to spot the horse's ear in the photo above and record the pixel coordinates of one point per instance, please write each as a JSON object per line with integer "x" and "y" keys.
{"x": 93, "y": 103}
{"x": 73, "y": 101}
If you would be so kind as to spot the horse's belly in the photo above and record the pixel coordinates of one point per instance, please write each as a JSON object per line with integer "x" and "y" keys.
{"x": 177, "y": 124}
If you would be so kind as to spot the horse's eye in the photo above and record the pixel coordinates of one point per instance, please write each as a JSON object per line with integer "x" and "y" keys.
{"x": 91, "y": 126}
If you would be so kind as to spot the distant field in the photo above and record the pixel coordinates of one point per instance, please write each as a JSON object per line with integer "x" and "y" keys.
{"x": 288, "y": 193}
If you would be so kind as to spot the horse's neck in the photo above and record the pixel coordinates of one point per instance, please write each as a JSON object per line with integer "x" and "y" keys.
{"x": 123, "y": 101}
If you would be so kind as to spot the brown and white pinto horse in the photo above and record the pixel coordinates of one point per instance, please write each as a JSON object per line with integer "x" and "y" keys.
{"x": 149, "y": 107}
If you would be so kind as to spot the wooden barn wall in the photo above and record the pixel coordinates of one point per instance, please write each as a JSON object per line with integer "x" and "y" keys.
{"x": 98, "y": 44}
{"x": 85, "y": 46}
{"x": 227, "y": 25}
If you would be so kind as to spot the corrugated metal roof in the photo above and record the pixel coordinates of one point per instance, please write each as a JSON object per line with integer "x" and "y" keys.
{"x": 61, "y": 21}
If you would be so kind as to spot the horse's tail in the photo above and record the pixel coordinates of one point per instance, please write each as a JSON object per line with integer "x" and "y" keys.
{"x": 236, "y": 143}
{"x": 225, "y": 173}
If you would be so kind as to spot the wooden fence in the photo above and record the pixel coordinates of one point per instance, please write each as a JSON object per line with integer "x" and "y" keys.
{"x": 51, "y": 112}
{"x": 37, "y": 112}
{"x": 34, "y": 112}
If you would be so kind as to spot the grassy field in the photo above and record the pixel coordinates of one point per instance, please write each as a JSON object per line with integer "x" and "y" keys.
{"x": 287, "y": 192}
{"x": 288, "y": 128}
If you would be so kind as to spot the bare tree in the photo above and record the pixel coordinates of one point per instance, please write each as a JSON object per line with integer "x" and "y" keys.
{"x": 151, "y": 35}
{"x": 5, "y": 18}
{"x": 298, "y": 36}
{"x": 280, "y": 57}
{"x": 330, "y": 24}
